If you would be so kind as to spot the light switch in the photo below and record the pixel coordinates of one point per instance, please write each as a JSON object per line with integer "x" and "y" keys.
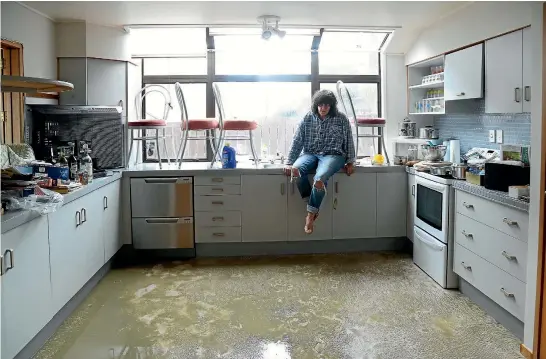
{"x": 499, "y": 136}
{"x": 492, "y": 137}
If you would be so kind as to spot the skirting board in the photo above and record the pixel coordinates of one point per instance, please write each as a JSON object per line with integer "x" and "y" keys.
{"x": 50, "y": 328}
{"x": 301, "y": 247}
{"x": 526, "y": 352}
{"x": 500, "y": 314}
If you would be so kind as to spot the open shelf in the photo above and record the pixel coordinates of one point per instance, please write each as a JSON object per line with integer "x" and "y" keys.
{"x": 431, "y": 85}
{"x": 33, "y": 85}
{"x": 428, "y": 113}
{"x": 415, "y": 141}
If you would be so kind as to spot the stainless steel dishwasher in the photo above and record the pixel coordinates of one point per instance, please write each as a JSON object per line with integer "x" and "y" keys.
{"x": 162, "y": 212}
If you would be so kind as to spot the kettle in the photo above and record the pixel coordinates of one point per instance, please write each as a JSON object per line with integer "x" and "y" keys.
{"x": 407, "y": 128}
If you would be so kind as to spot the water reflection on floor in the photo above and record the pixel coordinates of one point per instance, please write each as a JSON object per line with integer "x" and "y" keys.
{"x": 325, "y": 306}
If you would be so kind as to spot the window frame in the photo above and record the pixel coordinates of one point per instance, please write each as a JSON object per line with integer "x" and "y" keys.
{"x": 210, "y": 77}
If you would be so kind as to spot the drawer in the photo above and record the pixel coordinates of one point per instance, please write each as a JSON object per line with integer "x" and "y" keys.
{"x": 218, "y": 203}
{"x": 501, "y": 287}
{"x": 217, "y": 190}
{"x": 505, "y": 219}
{"x": 217, "y": 234}
{"x": 502, "y": 250}
{"x": 161, "y": 197}
{"x": 218, "y": 219}
{"x": 162, "y": 233}
{"x": 210, "y": 180}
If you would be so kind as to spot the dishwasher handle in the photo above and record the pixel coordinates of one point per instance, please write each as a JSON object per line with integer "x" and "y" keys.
{"x": 184, "y": 220}
{"x": 172, "y": 180}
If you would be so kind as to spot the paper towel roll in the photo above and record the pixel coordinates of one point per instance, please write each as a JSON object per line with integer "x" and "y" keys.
{"x": 455, "y": 151}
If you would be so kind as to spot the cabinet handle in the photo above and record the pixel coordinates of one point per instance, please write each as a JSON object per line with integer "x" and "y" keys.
{"x": 162, "y": 220}
{"x": 220, "y": 203}
{"x": 413, "y": 190}
{"x": 527, "y": 93}
{"x": 336, "y": 187}
{"x": 84, "y": 215}
{"x": 217, "y": 219}
{"x": 78, "y": 219}
{"x": 219, "y": 234}
{"x": 509, "y": 257}
{"x": 217, "y": 180}
{"x": 218, "y": 190}
{"x": 282, "y": 189}
{"x": 11, "y": 259}
{"x": 507, "y": 294}
{"x": 105, "y": 202}
{"x": 509, "y": 222}
{"x": 468, "y": 235}
{"x": 517, "y": 94}
{"x": 160, "y": 180}
{"x": 469, "y": 268}
{"x": 335, "y": 203}
{"x": 467, "y": 205}
{"x": 461, "y": 94}
{"x": 1, "y": 265}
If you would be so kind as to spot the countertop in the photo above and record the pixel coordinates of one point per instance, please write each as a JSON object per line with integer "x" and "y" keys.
{"x": 494, "y": 196}
{"x": 11, "y": 220}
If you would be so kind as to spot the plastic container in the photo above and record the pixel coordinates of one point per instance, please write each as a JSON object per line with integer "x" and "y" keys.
{"x": 229, "y": 157}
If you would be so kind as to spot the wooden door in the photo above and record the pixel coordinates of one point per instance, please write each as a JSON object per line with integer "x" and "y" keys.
{"x": 11, "y": 106}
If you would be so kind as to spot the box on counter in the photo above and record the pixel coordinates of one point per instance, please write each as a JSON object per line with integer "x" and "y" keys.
{"x": 518, "y": 191}
{"x": 516, "y": 153}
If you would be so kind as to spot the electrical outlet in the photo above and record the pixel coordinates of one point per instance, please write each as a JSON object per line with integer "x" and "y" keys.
{"x": 492, "y": 137}
{"x": 499, "y": 136}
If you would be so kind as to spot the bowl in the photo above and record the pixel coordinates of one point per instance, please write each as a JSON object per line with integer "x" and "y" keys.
{"x": 434, "y": 153}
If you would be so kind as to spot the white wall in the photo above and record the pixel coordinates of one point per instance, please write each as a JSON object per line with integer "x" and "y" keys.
{"x": 394, "y": 93}
{"x": 473, "y": 23}
{"x": 107, "y": 43}
{"x": 37, "y": 34}
{"x": 71, "y": 39}
{"x": 536, "y": 131}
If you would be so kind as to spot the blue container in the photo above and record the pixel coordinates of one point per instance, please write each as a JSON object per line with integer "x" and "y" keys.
{"x": 228, "y": 157}
{"x": 57, "y": 172}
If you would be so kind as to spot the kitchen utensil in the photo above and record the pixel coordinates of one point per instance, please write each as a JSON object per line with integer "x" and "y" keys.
{"x": 458, "y": 171}
{"x": 434, "y": 153}
{"x": 440, "y": 171}
{"x": 408, "y": 129}
{"x": 400, "y": 160}
{"x": 428, "y": 133}
{"x": 454, "y": 151}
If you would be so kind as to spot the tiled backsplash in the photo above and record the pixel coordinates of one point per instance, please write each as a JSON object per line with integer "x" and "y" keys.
{"x": 465, "y": 120}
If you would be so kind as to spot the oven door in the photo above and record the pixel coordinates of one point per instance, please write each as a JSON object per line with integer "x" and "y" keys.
{"x": 431, "y": 208}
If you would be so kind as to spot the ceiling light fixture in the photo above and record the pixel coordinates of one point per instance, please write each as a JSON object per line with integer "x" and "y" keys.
{"x": 270, "y": 26}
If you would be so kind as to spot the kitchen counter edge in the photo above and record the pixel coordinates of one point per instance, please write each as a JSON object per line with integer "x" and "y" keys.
{"x": 494, "y": 196}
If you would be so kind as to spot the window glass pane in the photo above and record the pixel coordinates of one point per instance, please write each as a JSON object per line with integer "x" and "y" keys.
{"x": 277, "y": 107}
{"x": 176, "y": 66}
{"x": 348, "y": 63}
{"x": 195, "y": 97}
{"x": 251, "y": 55}
{"x": 364, "y": 97}
{"x": 168, "y": 41}
{"x": 352, "y": 41}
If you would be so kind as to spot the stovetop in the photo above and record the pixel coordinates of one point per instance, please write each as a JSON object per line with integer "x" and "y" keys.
{"x": 447, "y": 180}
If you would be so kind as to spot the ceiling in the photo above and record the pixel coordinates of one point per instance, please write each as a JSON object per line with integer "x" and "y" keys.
{"x": 410, "y": 17}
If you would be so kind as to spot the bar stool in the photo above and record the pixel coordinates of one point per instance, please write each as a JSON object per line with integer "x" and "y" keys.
{"x": 159, "y": 125}
{"x": 363, "y": 122}
{"x": 208, "y": 124}
{"x": 232, "y": 125}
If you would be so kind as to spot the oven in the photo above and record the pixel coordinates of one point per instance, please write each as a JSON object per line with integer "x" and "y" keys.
{"x": 432, "y": 202}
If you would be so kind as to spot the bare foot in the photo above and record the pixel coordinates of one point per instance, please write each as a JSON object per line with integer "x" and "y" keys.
{"x": 309, "y": 222}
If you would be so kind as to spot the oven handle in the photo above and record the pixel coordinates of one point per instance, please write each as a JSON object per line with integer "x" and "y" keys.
{"x": 431, "y": 185}
{"x": 429, "y": 243}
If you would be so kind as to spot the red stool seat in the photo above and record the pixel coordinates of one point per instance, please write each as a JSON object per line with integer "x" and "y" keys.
{"x": 240, "y": 125}
{"x": 145, "y": 123}
{"x": 205, "y": 124}
{"x": 370, "y": 121}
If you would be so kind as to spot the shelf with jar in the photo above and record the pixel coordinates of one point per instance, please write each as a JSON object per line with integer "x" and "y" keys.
{"x": 432, "y": 103}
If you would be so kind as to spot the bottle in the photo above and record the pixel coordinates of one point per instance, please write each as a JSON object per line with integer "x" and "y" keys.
{"x": 87, "y": 164}
{"x": 72, "y": 164}
{"x": 228, "y": 157}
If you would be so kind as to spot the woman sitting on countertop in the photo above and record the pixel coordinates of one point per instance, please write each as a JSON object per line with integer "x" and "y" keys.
{"x": 325, "y": 137}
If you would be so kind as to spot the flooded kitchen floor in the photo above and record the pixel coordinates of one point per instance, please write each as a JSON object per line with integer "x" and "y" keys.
{"x": 376, "y": 305}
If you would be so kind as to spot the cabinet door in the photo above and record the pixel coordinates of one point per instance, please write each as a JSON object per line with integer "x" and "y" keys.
{"x": 410, "y": 207}
{"x": 297, "y": 211}
{"x": 527, "y": 69}
{"x": 391, "y": 204}
{"x": 355, "y": 201}
{"x": 503, "y": 74}
{"x": 111, "y": 219}
{"x": 464, "y": 74}
{"x": 26, "y": 288}
{"x": 264, "y": 215}
{"x": 107, "y": 83}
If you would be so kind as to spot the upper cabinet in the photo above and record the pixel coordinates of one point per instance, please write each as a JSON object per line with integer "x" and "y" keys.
{"x": 464, "y": 74}
{"x": 508, "y": 73}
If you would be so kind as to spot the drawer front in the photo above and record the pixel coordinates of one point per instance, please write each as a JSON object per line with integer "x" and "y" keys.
{"x": 162, "y": 233}
{"x": 501, "y": 287}
{"x": 507, "y": 220}
{"x": 218, "y": 203}
{"x": 217, "y": 234}
{"x": 218, "y": 219}
{"x": 502, "y": 250}
{"x": 218, "y": 190}
{"x": 161, "y": 197}
{"x": 210, "y": 180}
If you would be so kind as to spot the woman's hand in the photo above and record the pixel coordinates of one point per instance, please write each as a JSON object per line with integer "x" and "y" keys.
{"x": 287, "y": 170}
{"x": 349, "y": 169}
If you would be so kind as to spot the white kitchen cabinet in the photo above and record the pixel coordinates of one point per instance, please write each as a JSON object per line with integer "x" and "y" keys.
{"x": 355, "y": 201}
{"x": 111, "y": 219}
{"x": 297, "y": 211}
{"x": 264, "y": 209}
{"x": 463, "y": 74}
{"x": 505, "y": 59}
{"x": 391, "y": 204}
{"x": 528, "y": 72}
{"x": 410, "y": 207}
{"x": 26, "y": 288}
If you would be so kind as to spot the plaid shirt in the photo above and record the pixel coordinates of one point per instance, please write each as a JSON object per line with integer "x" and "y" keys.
{"x": 331, "y": 136}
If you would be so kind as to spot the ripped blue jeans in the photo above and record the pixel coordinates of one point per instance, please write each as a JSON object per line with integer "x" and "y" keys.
{"x": 326, "y": 166}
